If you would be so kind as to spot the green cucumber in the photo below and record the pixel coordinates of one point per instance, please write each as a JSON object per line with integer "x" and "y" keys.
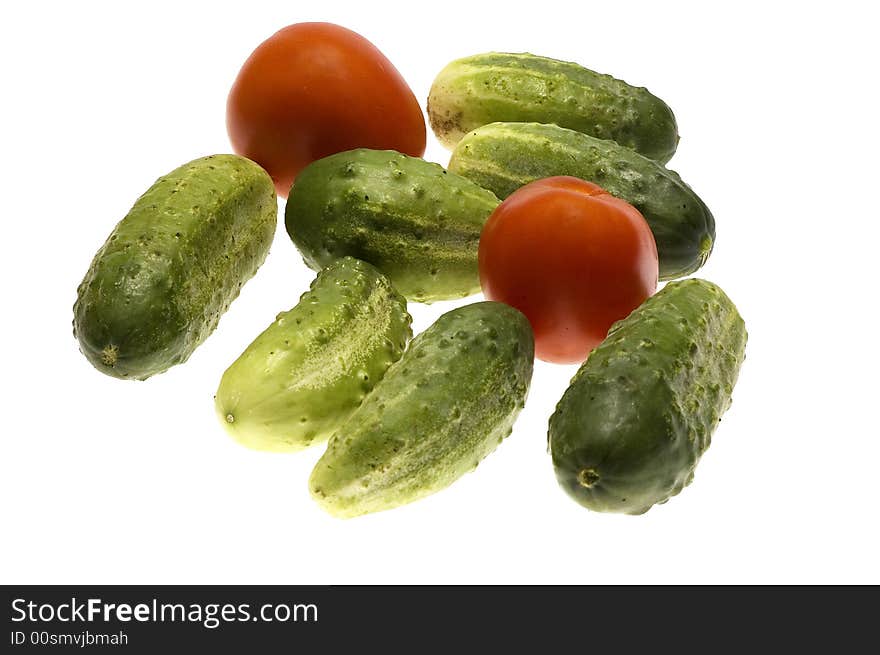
{"x": 308, "y": 371}
{"x": 157, "y": 287}
{"x": 411, "y": 219}
{"x": 442, "y": 408}
{"x": 504, "y": 156}
{"x": 474, "y": 91}
{"x": 640, "y": 412}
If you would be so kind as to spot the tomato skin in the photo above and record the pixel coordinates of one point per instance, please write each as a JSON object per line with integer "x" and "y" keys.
{"x": 571, "y": 257}
{"x": 314, "y": 89}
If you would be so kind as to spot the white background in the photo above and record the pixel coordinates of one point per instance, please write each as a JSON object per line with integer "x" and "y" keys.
{"x": 108, "y": 481}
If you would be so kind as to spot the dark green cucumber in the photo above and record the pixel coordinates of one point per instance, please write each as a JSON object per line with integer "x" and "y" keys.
{"x": 170, "y": 268}
{"x": 411, "y": 219}
{"x": 504, "y": 156}
{"x": 442, "y": 408}
{"x": 474, "y": 91}
{"x": 641, "y": 410}
{"x": 306, "y": 373}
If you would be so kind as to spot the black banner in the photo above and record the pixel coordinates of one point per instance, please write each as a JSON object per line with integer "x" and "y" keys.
{"x": 414, "y": 619}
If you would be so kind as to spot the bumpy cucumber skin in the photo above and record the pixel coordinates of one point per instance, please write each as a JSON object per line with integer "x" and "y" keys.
{"x": 504, "y": 156}
{"x": 305, "y": 374}
{"x": 442, "y": 408}
{"x": 492, "y": 87}
{"x": 158, "y": 286}
{"x": 411, "y": 219}
{"x": 640, "y": 412}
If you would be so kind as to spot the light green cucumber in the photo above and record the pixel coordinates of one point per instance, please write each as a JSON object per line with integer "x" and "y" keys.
{"x": 495, "y": 86}
{"x": 504, "y": 156}
{"x": 158, "y": 286}
{"x": 640, "y": 412}
{"x": 309, "y": 370}
{"x": 449, "y": 402}
{"x": 411, "y": 219}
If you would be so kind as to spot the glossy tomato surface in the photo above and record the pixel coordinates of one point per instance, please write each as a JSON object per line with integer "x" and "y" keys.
{"x": 571, "y": 257}
{"x": 313, "y": 89}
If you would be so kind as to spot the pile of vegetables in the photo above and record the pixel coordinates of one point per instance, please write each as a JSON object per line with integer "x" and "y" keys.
{"x": 556, "y": 203}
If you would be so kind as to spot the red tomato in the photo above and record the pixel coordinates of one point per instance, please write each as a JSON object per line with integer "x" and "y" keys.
{"x": 572, "y": 258}
{"x": 313, "y": 89}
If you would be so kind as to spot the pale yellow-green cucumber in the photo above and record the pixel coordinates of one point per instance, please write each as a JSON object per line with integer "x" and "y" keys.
{"x": 311, "y": 368}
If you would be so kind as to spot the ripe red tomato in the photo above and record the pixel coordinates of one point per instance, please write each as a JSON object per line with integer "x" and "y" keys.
{"x": 572, "y": 258}
{"x": 313, "y": 89}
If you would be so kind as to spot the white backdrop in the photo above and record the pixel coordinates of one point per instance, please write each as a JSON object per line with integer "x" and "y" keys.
{"x": 108, "y": 481}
